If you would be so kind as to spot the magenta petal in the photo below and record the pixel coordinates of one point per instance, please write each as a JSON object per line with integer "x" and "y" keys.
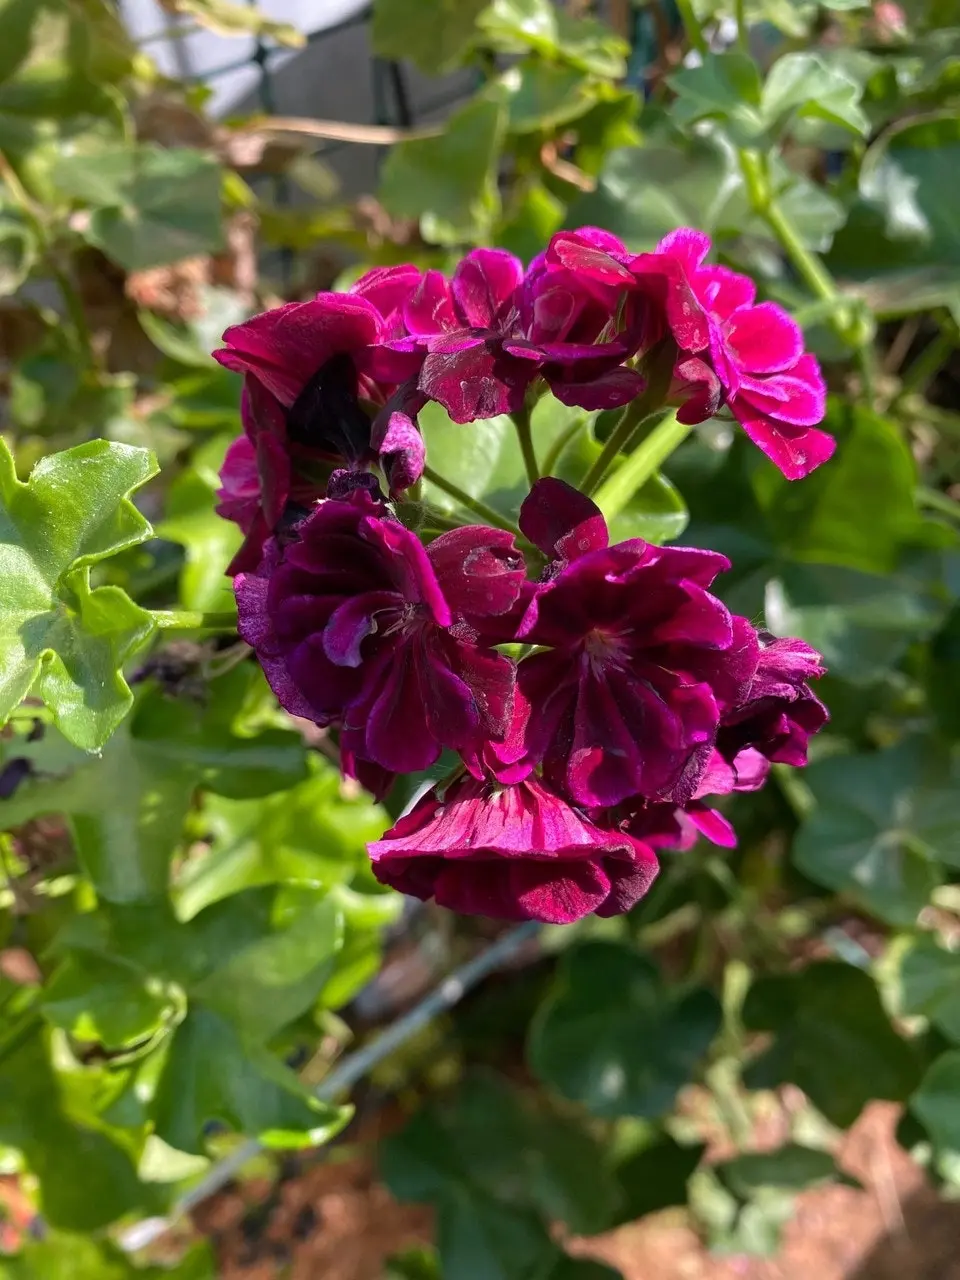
{"x": 285, "y": 347}
{"x": 387, "y": 287}
{"x": 561, "y": 521}
{"x": 722, "y": 291}
{"x": 483, "y": 282}
{"x": 630, "y": 880}
{"x": 396, "y": 732}
{"x": 429, "y": 308}
{"x": 401, "y": 450}
{"x": 796, "y": 451}
{"x": 697, "y": 390}
{"x": 479, "y": 569}
{"x": 608, "y": 391}
{"x": 512, "y": 852}
{"x": 687, "y": 245}
{"x": 567, "y": 249}
{"x": 351, "y": 623}
{"x": 712, "y": 824}
{"x": 764, "y": 338}
{"x": 406, "y": 561}
{"x": 476, "y": 382}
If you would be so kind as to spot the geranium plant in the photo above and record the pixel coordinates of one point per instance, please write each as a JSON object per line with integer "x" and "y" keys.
{"x": 512, "y": 576}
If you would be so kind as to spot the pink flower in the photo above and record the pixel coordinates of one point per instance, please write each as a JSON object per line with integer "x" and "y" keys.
{"x": 356, "y": 623}
{"x": 513, "y": 853}
{"x": 773, "y": 387}
{"x": 492, "y": 329}
{"x": 306, "y": 366}
{"x": 639, "y": 660}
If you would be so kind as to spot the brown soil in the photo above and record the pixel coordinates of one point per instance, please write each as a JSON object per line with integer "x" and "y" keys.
{"x": 334, "y": 1221}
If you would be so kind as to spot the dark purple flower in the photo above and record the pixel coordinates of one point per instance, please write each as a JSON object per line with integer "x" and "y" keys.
{"x": 356, "y": 623}
{"x": 773, "y": 721}
{"x": 639, "y": 661}
{"x": 513, "y": 853}
{"x": 777, "y": 715}
{"x": 492, "y": 329}
{"x": 262, "y": 474}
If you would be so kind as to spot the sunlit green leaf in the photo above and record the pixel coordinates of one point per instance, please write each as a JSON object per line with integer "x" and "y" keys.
{"x": 58, "y": 635}
{"x": 434, "y": 34}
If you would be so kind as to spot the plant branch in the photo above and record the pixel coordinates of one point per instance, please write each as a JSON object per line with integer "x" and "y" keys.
{"x": 646, "y": 459}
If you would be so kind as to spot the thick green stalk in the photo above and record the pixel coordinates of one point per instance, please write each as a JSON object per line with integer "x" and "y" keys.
{"x": 692, "y": 27}
{"x": 646, "y": 459}
{"x": 743, "y": 43}
{"x": 632, "y": 417}
{"x": 521, "y": 420}
{"x": 486, "y": 513}
{"x": 808, "y": 266}
{"x": 194, "y": 620}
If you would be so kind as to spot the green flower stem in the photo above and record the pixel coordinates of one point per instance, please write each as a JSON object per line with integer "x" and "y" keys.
{"x": 632, "y": 417}
{"x": 743, "y": 44}
{"x": 934, "y": 500}
{"x": 521, "y": 420}
{"x": 194, "y": 620}
{"x": 646, "y": 459}
{"x": 808, "y": 266}
{"x": 552, "y": 456}
{"x": 487, "y": 514}
{"x": 692, "y": 27}
{"x": 927, "y": 363}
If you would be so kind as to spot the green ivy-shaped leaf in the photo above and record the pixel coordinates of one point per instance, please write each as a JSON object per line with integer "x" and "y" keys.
{"x": 433, "y": 34}
{"x": 59, "y": 636}
{"x": 613, "y": 1037}
{"x": 881, "y": 825}
{"x": 831, "y": 1037}
{"x": 127, "y": 806}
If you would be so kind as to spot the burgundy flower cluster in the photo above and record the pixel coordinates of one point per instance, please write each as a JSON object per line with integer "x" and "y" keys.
{"x": 597, "y": 695}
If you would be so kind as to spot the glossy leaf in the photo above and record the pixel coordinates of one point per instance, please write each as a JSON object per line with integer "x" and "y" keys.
{"x": 209, "y": 541}
{"x": 312, "y": 835}
{"x": 881, "y": 824}
{"x": 449, "y": 182}
{"x": 514, "y": 26}
{"x": 86, "y": 1179}
{"x": 58, "y": 635}
{"x": 831, "y": 1037}
{"x": 935, "y": 1100}
{"x": 151, "y": 205}
{"x": 928, "y": 983}
{"x": 127, "y": 806}
{"x": 607, "y": 1000}
{"x": 433, "y": 34}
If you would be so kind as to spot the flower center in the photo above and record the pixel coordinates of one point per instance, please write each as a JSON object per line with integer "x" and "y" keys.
{"x": 405, "y": 621}
{"x": 602, "y": 648}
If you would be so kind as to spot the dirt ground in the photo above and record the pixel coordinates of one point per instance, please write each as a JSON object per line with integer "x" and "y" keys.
{"x": 334, "y": 1221}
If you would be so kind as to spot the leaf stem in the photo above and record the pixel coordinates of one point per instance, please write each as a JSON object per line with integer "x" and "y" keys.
{"x": 692, "y": 27}
{"x": 646, "y": 459}
{"x": 743, "y": 43}
{"x": 521, "y": 420}
{"x": 194, "y": 620}
{"x": 472, "y": 504}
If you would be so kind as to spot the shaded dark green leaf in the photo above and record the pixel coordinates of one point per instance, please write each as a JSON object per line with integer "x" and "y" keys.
{"x": 832, "y": 1038}
{"x": 606, "y": 1001}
